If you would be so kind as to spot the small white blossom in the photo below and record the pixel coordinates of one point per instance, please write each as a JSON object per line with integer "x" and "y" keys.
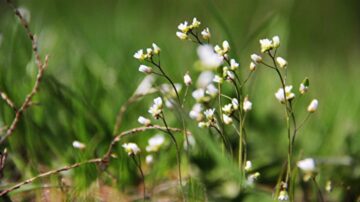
{"x": 198, "y": 94}
{"x": 78, "y": 145}
{"x": 145, "y": 69}
{"x": 266, "y": 45}
{"x": 252, "y": 66}
{"x": 218, "y": 79}
{"x": 230, "y": 75}
{"x": 144, "y": 121}
{"x": 281, "y": 62}
{"x": 209, "y": 113}
{"x": 131, "y": 148}
{"x": 233, "y": 64}
{"x": 211, "y": 90}
{"x": 307, "y": 165}
{"x": 313, "y": 106}
{"x": 276, "y": 42}
{"x": 156, "y": 109}
{"x": 256, "y": 58}
{"x": 248, "y": 166}
{"x": 303, "y": 89}
{"x": 155, "y": 143}
{"x": 227, "y": 119}
{"x": 195, "y": 112}
{"x": 204, "y": 79}
{"x": 208, "y": 57}
{"x": 156, "y": 49}
{"x": 235, "y": 103}
{"x": 227, "y": 109}
{"x": 140, "y": 55}
{"x": 206, "y": 34}
{"x": 280, "y": 94}
{"x": 183, "y": 27}
{"x": 203, "y": 124}
{"x": 181, "y": 35}
{"x": 149, "y": 159}
{"x": 187, "y": 79}
{"x": 225, "y": 48}
{"x": 149, "y": 52}
{"x": 247, "y": 105}
{"x": 195, "y": 23}
{"x": 283, "y": 195}
{"x": 251, "y": 178}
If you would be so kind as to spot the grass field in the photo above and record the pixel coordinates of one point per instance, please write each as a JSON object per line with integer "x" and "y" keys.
{"x": 92, "y": 72}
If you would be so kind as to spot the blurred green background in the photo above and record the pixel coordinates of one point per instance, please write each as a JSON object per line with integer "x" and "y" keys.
{"x": 92, "y": 72}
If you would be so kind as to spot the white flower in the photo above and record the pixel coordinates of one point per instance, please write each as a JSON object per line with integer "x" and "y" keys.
{"x": 204, "y": 79}
{"x": 235, "y": 103}
{"x": 256, "y": 58}
{"x": 227, "y": 120}
{"x": 156, "y": 109}
{"x": 203, "y": 124}
{"x": 183, "y": 27}
{"x": 233, "y": 64}
{"x": 251, "y": 178}
{"x": 145, "y": 85}
{"x": 195, "y": 23}
{"x": 149, "y": 52}
{"x": 230, "y": 75}
{"x": 266, "y": 45}
{"x": 131, "y": 148}
{"x": 187, "y": 79}
{"x": 78, "y": 145}
{"x": 206, "y": 34}
{"x": 181, "y": 35}
{"x": 144, "y": 121}
{"x": 209, "y": 113}
{"x": 195, "y": 112}
{"x": 281, "y": 62}
{"x": 247, "y": 105}
{"x": 211, "y": 90}
{"x": 307, "y": 165}
{"x": 280, "y": 94}
{"x": 283, "y": 195}
{"x": 218, "y": 79}
{"x": 156, "y": 49}
{"x": 227, "y": 109}
{"x": 155, "y": 143}
{"x": 225, "y": 48}
{"x": 140, "y": 55}
{"x": 248, "y": 166}
{"x": 145, "y": 69}
{"x": 198, "y": 94}
{"x": 276, "y": 41}
{"x": 313, "y": 106}
{"x": 208, "y": 57}
{"x": 149, "y": 159}
{"x": 252, "y": 66}
{"x": 303, "y": 89}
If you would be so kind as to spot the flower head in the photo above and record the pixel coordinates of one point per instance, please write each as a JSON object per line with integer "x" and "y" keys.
{"x": 313, "y": 106}
{"x": 227, "y": 119}
{"x": 156, "y": 109}
{"x": 209, "y": 113}
{"x": 155, "y": 143}
{"x": 248, "y": 166}
{"x": 266, "y": 44}
{"x": 144, "y": 121}
{"x": 131, "y": 148}
{"x": 235, "y": 103}
{"x": 252, "y": 66}
{"x": 183, "y": 27}
{"x": 276, "y": 41}
{"x": 222, "y": 50}
{"x": 280, "y": 94}
{"x": 198, "y": 94}
{"x": 233, "y": 64}
{"x": 156, "y": 49}
{"x": 187, "y": 79}
{"x": 211, "y": 90}
{"x": 181, "y": 35}
{"x": 145, "y": 69}
{"x": 256, "y": 58}
{"x": 195, "y": 23}
{"x": 149, "y": 159}
{"x": 283, "y": 195}
{"x": 307, "y": 165}
{"x": 78, "y": 145}
{"x": 281, "y": 62}
{"x": 247, "y": 105}
{"x": 206, "y": 34}
{"x": 140, "y": 55}
{"x": 208, "y": 57}
{"x": 195, "y": 112}
{"x": 304, "y": 86}
{"x": 218, "y": 79}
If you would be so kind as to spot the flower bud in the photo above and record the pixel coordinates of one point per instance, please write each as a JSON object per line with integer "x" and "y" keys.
{"x": 187, "y": 79}
{"x": 276, "y": 41}
{"x": 145, "y": 69}
{"x": 281, "y": 62}
{"x": 313, "y": 106}
{"x": 256, "y": 58}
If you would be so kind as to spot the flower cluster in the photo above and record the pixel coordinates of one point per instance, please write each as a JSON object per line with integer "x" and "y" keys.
{"x": 150, "y": 52}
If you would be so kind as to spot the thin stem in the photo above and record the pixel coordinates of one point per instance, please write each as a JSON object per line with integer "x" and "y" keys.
{"x": 320, "y": 195}
{"x": 138, "y": 165}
